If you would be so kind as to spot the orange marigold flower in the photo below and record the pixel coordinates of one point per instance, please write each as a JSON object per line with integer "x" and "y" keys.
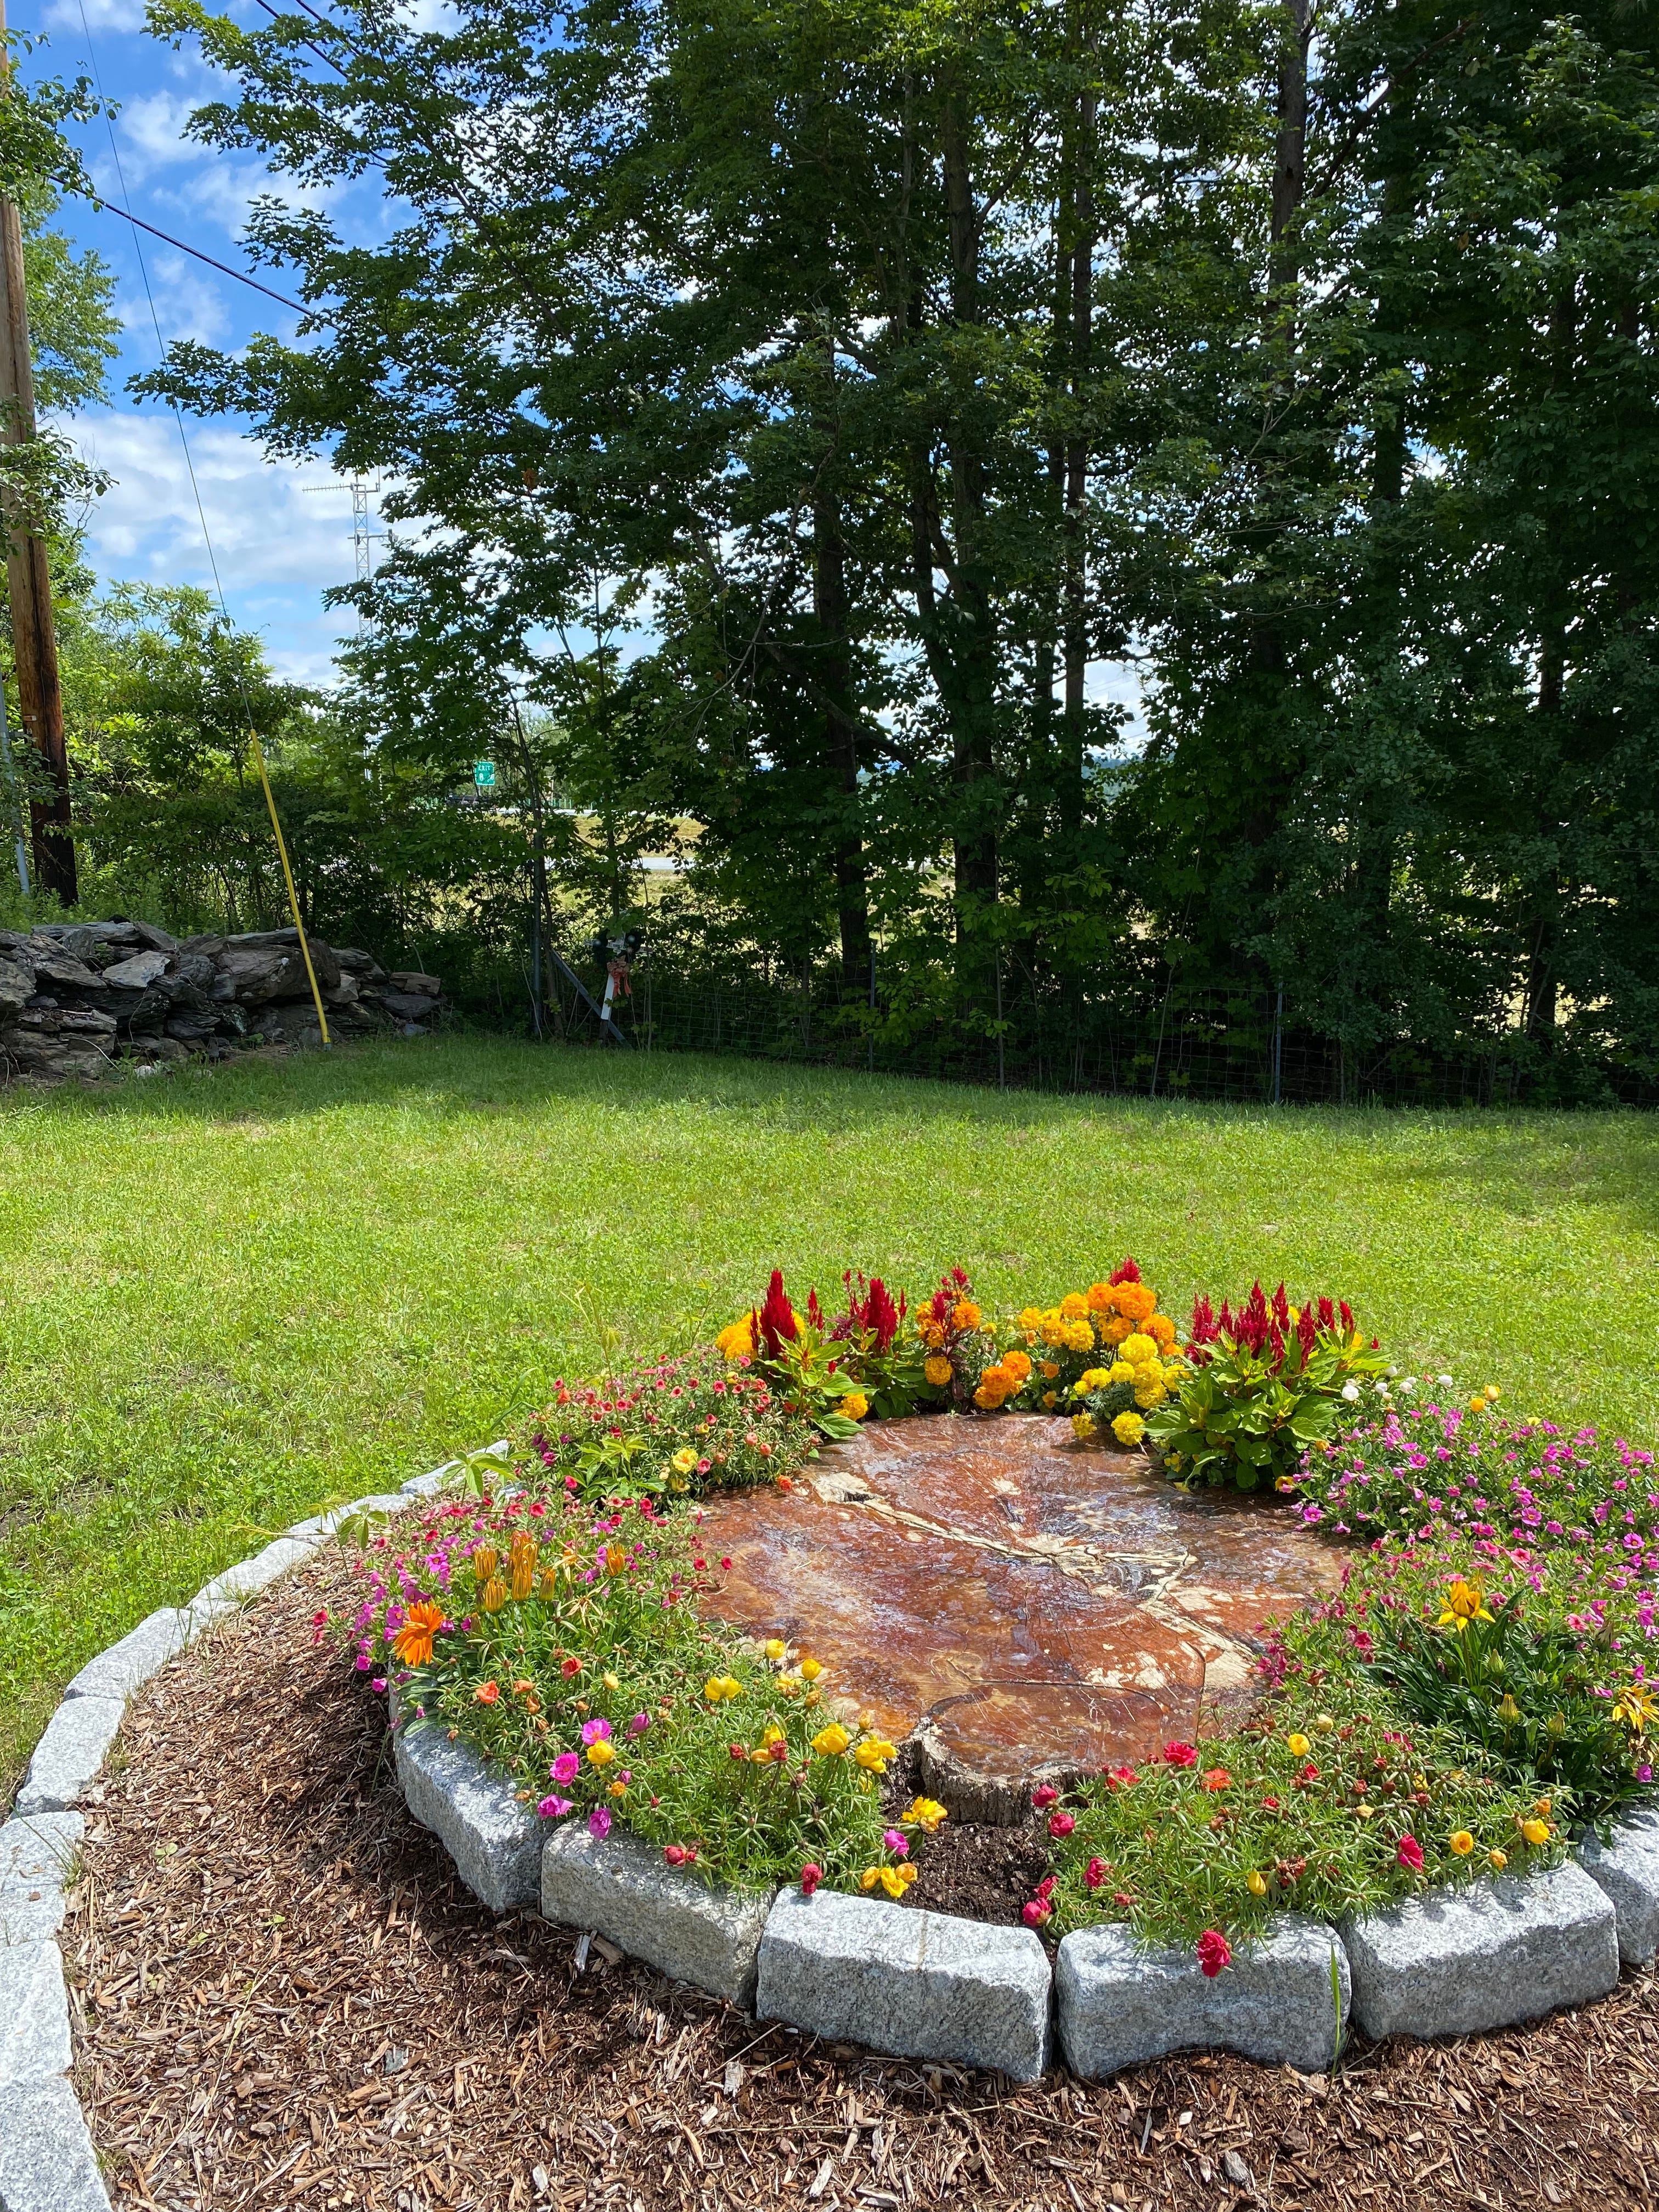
{"x": 1101, "y": 1298}
{"x": 1017, "y": 1365}
{"x": 412, "y": 1645}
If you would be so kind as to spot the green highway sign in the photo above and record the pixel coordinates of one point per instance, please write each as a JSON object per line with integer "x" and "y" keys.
{"x": 483, "y": 775}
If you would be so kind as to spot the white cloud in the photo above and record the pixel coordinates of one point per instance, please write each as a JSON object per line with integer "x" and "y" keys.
{"x": 281, "y": 531}
{"x": 189, "y": 300}
{"x": 101, "y": 15}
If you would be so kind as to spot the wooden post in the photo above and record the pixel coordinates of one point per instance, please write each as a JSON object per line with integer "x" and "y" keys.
{"x": 28, "y": 583}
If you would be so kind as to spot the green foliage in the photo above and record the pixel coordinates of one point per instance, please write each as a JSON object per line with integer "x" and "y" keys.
{"x": 1175, "y": 1845}
{"x": 1256, "y": 1404}
{"x": 578, "y": 1663}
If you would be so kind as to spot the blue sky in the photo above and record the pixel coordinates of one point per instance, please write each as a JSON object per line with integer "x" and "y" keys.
{"x": 282, "y": 532}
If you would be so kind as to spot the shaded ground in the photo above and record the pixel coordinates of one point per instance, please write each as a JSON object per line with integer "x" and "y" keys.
{"x": 283, "y": 1999}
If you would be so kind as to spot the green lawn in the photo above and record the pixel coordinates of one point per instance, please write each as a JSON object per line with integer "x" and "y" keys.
{"x": 230, "y": 1298}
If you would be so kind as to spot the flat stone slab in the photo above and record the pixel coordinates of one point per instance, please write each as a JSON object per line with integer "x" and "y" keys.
{"x": 1625, "y": 1869}
{"x": 1119, "y": 2003}
{"x": 35, "y": 2023}
{"x": 249, "y": 1576}
{"x": 47, "y": 2163}
{"x": 494, "y": 1841}
{"x": 1459, "y": 1961}
{"x": 69, "y": 1755}
{"x": 36, "y": 1857}
{"x": 125, "y": 1668}
{"x": 696, "y": 1931}
{"x": 916, "y": 1984}
{"x": 1046, "y": 1606}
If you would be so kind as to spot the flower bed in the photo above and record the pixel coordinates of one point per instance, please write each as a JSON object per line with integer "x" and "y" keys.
{"x": 1476, "y": 1691}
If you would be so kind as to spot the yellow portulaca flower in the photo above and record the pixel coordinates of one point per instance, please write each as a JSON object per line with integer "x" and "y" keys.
{"x": 1537, "y": 1832}
{"x": 1498, "y": 1860}
{"x": 923, "y": 1813}
{"x": 722, "y": 1687}
{"x": 830, "y": 1742}
{"x": 683, "y": 1460}
{"x": 1297, "y": 1746}
{"x": 1255, "y": 1883}
{"x": 775, "y": 1647}
{"x": 873, "y": 1753}
{"x": 601, "y": 1753}
{"x": 811, "y": 1669}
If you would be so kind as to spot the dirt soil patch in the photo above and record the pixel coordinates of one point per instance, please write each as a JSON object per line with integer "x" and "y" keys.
{"x": 283, "y": 1998}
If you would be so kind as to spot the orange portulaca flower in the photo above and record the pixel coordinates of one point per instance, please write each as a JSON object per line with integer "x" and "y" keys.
{"x": 412, "y": 1645}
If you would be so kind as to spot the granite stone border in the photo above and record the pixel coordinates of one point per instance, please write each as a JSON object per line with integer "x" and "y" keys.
{"x": 903, "y": 1980}
{"x": 47, "y": 2159}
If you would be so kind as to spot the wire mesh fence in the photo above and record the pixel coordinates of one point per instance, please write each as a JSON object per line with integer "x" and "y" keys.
{"x": 1223, "y": 1045}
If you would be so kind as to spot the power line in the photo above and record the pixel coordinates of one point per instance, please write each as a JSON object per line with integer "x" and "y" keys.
{"x": 108, "y": 207}
{"x": 207, "y": 540}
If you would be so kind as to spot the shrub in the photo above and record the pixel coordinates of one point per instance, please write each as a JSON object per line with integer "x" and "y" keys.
{"x": 1264, "y": 1385}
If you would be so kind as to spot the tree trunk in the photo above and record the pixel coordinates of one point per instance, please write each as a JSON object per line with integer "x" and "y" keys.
{"x": 840, "y": 742}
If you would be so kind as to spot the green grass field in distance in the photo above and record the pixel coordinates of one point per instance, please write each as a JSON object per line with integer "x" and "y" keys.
{"x": 230, "y": 1298}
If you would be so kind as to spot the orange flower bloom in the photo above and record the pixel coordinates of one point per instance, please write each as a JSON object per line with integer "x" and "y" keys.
{"x": 412, "y": 1645}
{"x": 1217, "y": 1779}
{"x": 487, "y": 1692}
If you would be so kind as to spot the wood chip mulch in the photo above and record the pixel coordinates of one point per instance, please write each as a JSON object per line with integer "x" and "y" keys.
{"x": 284, "y": 1999}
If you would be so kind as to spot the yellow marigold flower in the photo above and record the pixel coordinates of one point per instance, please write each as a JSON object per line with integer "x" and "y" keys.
{"x": 1128, "y": 1428}
{"x": 937, "y": 1369}
{"x": 738, "y": 1340}
{"x": 775, "y": 1647}
{"x": 1053, "y": 1328}
{"x": 1297, "y": 1746}
{"x": 601, "y": 1753}
{"x": 923, "y": 1813}
{"x": 855, "y": 1405}
{"x": 1117, "y": 1329}
{"x": 1148, "y": 1394}
{"x": 1537, "y": 1832}
{"x": 1461, "y": 1842}
{"x": 1077, "y": 1336}
{"x": 683, "y": 1460}
{"x": 1498, "y": 1860}
{"x": 1017, "y": 1363}
{"x": 830, "y": 1742}
{"x": 1137, "y": 1349}
{"x": 1073, "y": 1306}
{"x": 1256, "y": 1884}
{"x": 964, "y": 1314}
{"x": 1465, "y": 1601}
{"x": 811, "y": 1669}
{"x": 1030, "y": 1318}
{"x": 1082, "y": 1426}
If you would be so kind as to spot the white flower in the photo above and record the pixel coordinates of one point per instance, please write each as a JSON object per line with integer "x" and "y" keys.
{"x": 1381, "y": 1386}
{"x": 1444, "y": 1381}
{"x": 1351, "y": 1391}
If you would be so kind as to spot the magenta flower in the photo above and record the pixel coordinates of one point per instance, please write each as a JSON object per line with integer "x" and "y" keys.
{"x": 595, "y": 1731}
{"x": 554, "y": 1808}
{"x": 598, "y": 1822}
{"x": 565, "y": 1768}
{"x": 639, "y": 1724}
{"x": 895, "y": 1841}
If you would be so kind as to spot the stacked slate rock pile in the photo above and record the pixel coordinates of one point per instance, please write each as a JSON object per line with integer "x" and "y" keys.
{"x": 75, "y": 996}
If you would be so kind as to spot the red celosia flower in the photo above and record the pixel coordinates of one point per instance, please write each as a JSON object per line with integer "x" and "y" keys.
{"x": 1128, "y": 1273}
{"x": 1060, "y": 1824}
{"x": 1213, "y": 1952}
{"x": 1180, "y": 1754}
{"x": 1044, "y": 1795}
{"x": 1307, "y": 1331}
{"x": 1410, "y": 1854}
{"x": 774, "y": 1323}
{"x": 811, "y": 1876}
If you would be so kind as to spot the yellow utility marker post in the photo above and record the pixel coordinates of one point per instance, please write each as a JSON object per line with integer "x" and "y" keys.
{"x": 287, "y": 878}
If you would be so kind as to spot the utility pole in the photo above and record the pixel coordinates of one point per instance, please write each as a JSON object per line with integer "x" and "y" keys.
{"x": 28, "y": 583}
